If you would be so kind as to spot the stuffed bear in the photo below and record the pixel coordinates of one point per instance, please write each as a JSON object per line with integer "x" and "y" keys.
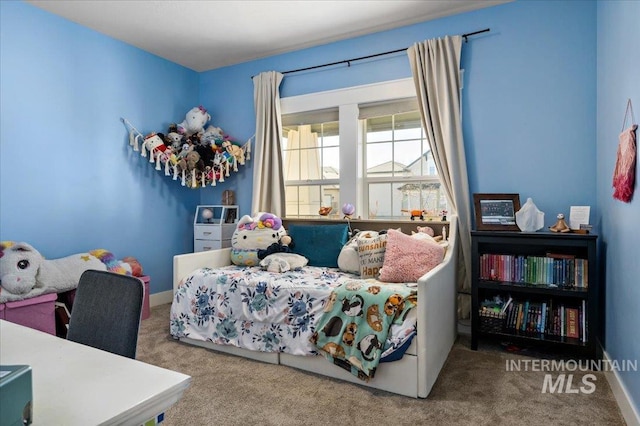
{"x": 194, "y": 121}
{"x": 174, "y": 140}
{"x": 253, "y": 234}
{"x": 191, "y": 161}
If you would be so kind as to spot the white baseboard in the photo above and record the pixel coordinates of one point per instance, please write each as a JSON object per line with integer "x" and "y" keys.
{"x": 162, "y": 298}
{"x": 626, "y": 405}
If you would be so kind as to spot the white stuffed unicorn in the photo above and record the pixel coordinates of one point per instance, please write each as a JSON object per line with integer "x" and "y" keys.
{"x": 25, "y": 273}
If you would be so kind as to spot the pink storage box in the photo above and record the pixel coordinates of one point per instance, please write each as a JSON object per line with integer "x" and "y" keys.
{"x": 146, "y": 308}
{"x": 36, "y": 312}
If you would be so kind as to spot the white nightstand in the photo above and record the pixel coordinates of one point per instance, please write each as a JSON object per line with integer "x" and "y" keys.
{"x": 213, "y": 227}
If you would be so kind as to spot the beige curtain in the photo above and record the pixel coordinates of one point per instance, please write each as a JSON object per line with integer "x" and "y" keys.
{"x": 435, "y": 65}
{"x": 268, "y": 180}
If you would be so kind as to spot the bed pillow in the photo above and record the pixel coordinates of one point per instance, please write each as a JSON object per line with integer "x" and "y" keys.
{"x": 321, "y": 244}
{"x": 371, "y": 248}
{"x": 348, "y": 260}
{"x": 407, "y": 259}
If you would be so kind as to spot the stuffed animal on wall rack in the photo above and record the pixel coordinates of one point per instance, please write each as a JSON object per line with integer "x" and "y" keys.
{"x": 194, "y": 121}
{"x": 234, "y": 150}
{"x": 25, "y": 273}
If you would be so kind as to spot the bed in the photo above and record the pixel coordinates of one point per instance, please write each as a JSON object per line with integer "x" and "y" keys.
{"x": 413, "y": 375}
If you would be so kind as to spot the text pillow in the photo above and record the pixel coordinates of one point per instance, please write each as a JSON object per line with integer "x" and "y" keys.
{"x": 371, "y": 249}
{"x": 321, "y": 244}
{"x": 406, "y": 259}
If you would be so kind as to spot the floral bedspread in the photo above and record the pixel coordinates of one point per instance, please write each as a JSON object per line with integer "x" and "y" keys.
{"x": 254, "y": 309}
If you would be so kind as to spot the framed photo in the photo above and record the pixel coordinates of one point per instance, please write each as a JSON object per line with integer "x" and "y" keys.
{"x": 496, "y": 212}
{"x": 230, "y": 216}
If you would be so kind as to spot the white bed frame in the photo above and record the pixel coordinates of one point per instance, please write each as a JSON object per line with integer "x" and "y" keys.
{"x": 414, "y": 374}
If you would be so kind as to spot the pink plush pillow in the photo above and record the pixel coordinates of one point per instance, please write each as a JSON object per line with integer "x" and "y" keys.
{"x": 407, "y": 259}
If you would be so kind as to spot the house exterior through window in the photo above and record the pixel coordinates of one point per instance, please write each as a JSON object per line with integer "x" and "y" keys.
{"x": 364, "y": 146}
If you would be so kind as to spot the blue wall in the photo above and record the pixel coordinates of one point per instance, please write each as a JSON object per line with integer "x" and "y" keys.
{"x": 68, "y": 181}
{"x": 619, "y": 80}
{"x": 529, "y": 97}
{"x": 543, "y": 102}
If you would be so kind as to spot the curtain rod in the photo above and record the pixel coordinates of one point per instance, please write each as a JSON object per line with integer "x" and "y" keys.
{"x": 348, "y": 61}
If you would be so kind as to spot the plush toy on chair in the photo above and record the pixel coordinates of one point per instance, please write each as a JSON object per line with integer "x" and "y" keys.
{"x": 25, "y": 273}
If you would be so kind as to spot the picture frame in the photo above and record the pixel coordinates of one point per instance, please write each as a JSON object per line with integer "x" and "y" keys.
{"x": 496, "y": 212}
{"x": 230, "y": 215}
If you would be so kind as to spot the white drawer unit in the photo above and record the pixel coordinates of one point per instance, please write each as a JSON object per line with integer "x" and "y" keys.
{"x": 213, "y": 226}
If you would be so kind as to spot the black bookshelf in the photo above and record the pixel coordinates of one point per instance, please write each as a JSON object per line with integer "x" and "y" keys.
{"x": 566, "y": 278}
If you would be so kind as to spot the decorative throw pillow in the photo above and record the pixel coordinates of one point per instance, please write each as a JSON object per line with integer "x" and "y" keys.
{"x": 407, "y": 259}
{"x": 438, "y": 240}
{"x": 253, "y": 234}
{"x": 321, "y": 244}
{"x": 371, "y": 248}
{"x": 348, "y": 259}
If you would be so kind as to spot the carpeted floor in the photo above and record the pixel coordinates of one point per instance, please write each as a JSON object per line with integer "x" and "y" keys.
{"x": 474, "y": 388}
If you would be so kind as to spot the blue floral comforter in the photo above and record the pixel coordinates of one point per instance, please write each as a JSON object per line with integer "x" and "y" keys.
{"x": 254, "y": 309}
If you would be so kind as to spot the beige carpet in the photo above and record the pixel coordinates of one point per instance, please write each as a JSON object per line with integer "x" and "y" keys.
{"x": 474, "y": 388}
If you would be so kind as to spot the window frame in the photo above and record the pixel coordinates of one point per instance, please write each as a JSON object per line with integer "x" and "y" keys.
{"x": 347, "y": 101}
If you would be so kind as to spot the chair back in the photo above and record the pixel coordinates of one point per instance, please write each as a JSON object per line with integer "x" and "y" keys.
{"x": 106, "y": 312}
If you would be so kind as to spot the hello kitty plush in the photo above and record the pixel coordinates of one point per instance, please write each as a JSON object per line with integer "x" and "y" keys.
{"x": 253, "y": 234}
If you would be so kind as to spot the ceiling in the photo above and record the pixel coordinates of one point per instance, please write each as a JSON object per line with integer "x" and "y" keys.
{"x": 204, "y": 35}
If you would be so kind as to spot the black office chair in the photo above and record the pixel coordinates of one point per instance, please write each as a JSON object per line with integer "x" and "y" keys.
{"x": 106, "y": 312}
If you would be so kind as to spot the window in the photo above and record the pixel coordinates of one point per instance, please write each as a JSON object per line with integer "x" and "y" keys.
{"x": 364, "y": 146}
{"x": 311, "y": 160}
{"x": 400, "y": 174}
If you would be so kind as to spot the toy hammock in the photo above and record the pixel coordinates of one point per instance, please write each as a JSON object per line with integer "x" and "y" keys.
{"x": 625, "y": 171}
{"x": 197, "y": 161}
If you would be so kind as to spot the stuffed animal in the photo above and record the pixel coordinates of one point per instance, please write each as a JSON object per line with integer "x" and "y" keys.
{"x": 234, "y": 150}
{"x": 192, "y": 161}
{"x": 154, "y": 143}
{"x": 212, "y": 135}
{"x": 283, "y": 262}
{"x": 253, "y": 234}
{"x": 174, "y": 140}
{"x": 194, "y": 121}
{"x": 285, "y": 245}
{"x": 25, "y": 273}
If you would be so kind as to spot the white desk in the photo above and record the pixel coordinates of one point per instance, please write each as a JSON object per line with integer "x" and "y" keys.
{"x": 74, "y": 384}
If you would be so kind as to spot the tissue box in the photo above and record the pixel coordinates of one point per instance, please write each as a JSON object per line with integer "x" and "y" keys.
{"x": 36, "y": 312}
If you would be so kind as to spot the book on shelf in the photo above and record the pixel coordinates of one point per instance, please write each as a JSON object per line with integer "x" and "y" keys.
{"x": 584, "y": 321}
{"x": 572, "y": 323}
{"x": 553, "y": 269}
{"x": 544, "y": 317}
